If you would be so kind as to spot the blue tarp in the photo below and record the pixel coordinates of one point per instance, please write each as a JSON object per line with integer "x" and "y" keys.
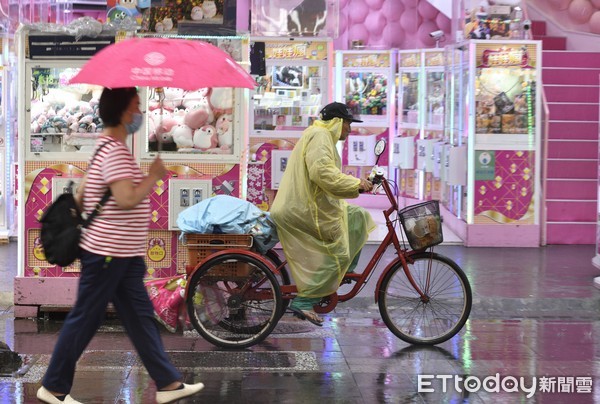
{"x": 230, "y": 215}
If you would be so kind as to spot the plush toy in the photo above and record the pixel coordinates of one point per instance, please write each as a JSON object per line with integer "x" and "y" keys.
{"x": 84, "y": 107}
{"x": 221, "y": 99}
{"x": 520, "y": 103}
{"x": 164, "y": 126}
{"x": 168, "y": 24}
{"x": 153, "y": 104}
{"x": 224, "y": 130}
{"x": 209, "y": 9}
{"x": 173, "y": 98}
{"x": 166, "y": 137}
{"x": 201, "y": 114}
{"x": 197, "y": 13}
{"x": 38, "y": 124}
{"x": 205, "y": 138}
{"x": 54, "y": 124}
{"x": 193, "y": 98}
{"x": 183, "y": 136}
{"x": 179, "y": 115}
{"x": 86, "y": 124}
{"x": 151, "y": 130}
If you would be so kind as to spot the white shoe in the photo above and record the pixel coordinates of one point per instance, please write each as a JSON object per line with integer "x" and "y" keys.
{"x": 44, "y": 395}
{"x": 163, "y": 397}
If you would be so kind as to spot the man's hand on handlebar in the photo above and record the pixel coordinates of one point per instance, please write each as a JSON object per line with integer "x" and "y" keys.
{"x": 365, "y": 185}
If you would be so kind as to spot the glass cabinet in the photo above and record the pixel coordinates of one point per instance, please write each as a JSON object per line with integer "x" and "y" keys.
{"x": 365, "y": 81}
{"x": 63, "y": 119}
{"x": 409, "y": 89}
{"x": 202, "y": 125}
{"x": 494, "y": 126}
{"x": 294, "y": 87}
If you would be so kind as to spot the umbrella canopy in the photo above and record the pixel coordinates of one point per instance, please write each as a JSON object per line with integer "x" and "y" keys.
{"x": 163, "y": 62}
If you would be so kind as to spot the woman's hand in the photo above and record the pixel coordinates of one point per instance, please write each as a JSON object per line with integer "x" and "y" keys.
{"x": 157, "y": 169}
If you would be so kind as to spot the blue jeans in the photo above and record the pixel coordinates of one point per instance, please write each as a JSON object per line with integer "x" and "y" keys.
{"x": 119, "y": 280}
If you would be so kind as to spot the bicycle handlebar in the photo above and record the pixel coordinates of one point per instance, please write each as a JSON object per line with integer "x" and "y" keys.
{"x": 377, "y": 177}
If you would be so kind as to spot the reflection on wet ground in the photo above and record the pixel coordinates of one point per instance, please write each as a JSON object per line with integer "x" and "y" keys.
{"x": 534, "y": 336}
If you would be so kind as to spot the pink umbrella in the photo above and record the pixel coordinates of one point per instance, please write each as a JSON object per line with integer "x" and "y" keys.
{"x": 163, "y": 62}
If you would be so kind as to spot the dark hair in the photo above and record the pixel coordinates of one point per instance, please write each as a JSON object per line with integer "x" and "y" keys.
{"x": 113, "y": 102}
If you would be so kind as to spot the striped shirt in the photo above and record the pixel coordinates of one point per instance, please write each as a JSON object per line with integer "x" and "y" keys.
{"x": 115, "y": 232}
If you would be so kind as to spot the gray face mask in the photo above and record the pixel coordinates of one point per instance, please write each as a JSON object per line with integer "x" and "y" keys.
{"x": 136, "y": 124}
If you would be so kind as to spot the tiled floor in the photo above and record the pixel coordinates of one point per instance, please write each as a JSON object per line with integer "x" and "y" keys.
{"x": 535, "y": 315}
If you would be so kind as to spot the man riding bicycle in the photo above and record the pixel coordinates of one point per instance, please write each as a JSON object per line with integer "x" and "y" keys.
{"x": 321, "y": 234}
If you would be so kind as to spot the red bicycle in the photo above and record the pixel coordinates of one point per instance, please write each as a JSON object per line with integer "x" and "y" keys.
{"x": 235, "y": 296}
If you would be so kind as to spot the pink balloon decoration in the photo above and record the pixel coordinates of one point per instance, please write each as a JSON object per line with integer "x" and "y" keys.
{"x": 443, "y": 22}
{"x": 581, "y": 11}
{"x": 427, "y": 11}
{"x": 357, "y": 11}
{"x": 595, "y": 23}
{"x": 409, "y": 3}
{"x": 393, "y": 10}
{"x": 375, "y": 4}
{"x": 596, "y": 3}
{"x": 410, "y": 20}
{"x": 393, "y": 34}
{"x": 560, "y": 4}
{"x": 358, "y": 32}
{"x": 375, "y": 22}
{"x": 423, "y": 33}
{"x": 342, "y": 4}
{"x": 342, "y": 23}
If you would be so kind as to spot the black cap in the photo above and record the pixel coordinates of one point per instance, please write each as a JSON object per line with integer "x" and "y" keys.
{"x": 337, "y": 110}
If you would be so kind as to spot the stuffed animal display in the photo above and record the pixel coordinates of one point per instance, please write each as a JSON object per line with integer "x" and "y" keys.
{"x": 64, "y": 113}
{"x": 194, "y": 121}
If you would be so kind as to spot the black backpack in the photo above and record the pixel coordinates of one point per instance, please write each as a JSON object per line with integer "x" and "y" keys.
{"x": 62, "y": 224}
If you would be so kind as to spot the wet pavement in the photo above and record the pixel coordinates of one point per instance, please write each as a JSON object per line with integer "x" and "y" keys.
{"x": 535, "y": 322}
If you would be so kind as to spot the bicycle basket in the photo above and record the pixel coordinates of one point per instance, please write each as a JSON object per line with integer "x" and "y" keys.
{"x": 200, "y": 246}
{"x": 422, "y": 224}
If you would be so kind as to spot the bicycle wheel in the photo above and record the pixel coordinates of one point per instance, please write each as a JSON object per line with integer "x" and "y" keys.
{"x": 440, "y": 315}
{"x": 234, "y": 301}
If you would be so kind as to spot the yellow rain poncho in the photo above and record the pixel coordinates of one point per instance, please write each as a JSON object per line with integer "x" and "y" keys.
{"x": 320, "y": 232}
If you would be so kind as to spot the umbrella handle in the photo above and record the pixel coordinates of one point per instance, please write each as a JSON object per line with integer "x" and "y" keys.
{"x": 160, "y": 91}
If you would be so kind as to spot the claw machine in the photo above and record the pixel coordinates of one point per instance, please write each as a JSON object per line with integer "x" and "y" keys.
{"x": 8, "y": 137}
{"x": 418, "y": 144}
{"x": 58, "y": 126}
{"x": 410, "y": 121}
{"x": 496, "y": 122}
{"x": 201, "y": 137}
{"x": 294, "y": 83}
{"x": 366, "y": 83}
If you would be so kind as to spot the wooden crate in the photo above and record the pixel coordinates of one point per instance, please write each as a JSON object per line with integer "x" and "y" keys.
{"x": 200, "y": 246}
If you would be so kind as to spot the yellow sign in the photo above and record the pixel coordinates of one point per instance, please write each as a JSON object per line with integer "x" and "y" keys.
{"x": 38, "y": 250}
{"x": 156, "y": 249}
{"x": 360, "y": 60}
{"x": 309, "y": 50}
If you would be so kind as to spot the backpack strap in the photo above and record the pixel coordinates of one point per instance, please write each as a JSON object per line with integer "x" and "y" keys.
{"x": 106, "y": 195}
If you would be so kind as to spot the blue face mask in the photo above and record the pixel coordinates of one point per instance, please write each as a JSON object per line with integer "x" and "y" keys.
{"x": 136, "y": 124}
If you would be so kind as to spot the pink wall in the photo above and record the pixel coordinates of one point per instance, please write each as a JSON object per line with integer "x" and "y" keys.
{"x": 380, "y": 24}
